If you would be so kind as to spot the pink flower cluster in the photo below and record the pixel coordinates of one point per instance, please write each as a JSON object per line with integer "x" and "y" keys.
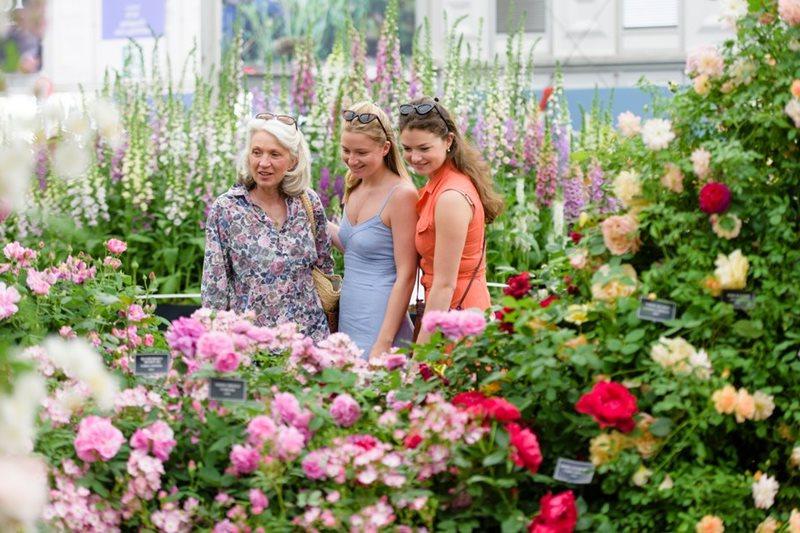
{"x": 337, "y": 351}
{"x": 170, "y": 518}
{"x": 705, "y": 60}
{"x": 41, "y": 282}
{"x": 128, "y": 340}
{"x": 282, "y": 434}
{"x": 9, "y": 297}
{"x": 157, "y": 438}
{"x": 75, "y": 270}
{"x": 97, "y": 439}
{"x": 361, "y": 457}
{"x": 135, "y": 313}
{"x": 223, "y": 339}
{"x": 65, "y": 402}
{"x": 145, "y": 482}
{"x": 139, "y": 398}
{"x": 789, "y": 11}
{"x": 455, "y": 324}
{"x": 373, "y": 517}
{"x": 17, "y": 253}
{"x": 75, "y": 508}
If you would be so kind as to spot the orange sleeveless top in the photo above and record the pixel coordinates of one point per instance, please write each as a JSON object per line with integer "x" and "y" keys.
{"x": 447, "y": 178}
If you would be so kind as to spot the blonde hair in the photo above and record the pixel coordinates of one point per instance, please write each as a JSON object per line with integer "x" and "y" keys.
{"x": 465, "y": 157}
{"x": 393, "y": 160}
{"x": 297, "y": 179}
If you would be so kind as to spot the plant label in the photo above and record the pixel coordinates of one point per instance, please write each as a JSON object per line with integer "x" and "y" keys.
{"x": 575, "y": 472}
{"x": 656, "y": 310}
{"x": 151, "y": 364}
{"x": 224, "y": 389}
{"x": 743, "y": 301}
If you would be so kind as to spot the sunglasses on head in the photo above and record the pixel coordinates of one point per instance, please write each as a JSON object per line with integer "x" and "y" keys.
{"x": 364, "y": 118}
{"x": 422, "y": 110}
{"x": 286, "y": 119}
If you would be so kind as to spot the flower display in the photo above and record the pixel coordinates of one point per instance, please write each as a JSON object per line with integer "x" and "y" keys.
{"x": 629, "y": 124}
{"x": 557, "y": 513}
{"x": 732, "y": 270}
{"x": 657, "y": 133}
{"x": 454, "y": 324}
{"x": 97, "y": 439}
{"x": 518, "y": 285}
{"x": 764, "y": 488}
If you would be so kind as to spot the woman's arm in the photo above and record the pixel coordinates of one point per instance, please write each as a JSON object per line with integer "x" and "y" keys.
{"x": 452, "y": 215}
{"x": 402, "y": 214}
{"x": 322, "y": 241}
{"x": 333, "y": 233}
{"x": 215, "y": 289}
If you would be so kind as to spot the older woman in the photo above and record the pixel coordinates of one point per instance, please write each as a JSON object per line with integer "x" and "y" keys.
{"x": 260, "y": 247}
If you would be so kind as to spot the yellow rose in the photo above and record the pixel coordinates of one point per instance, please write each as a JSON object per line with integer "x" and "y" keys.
{"x": 605, "y": 447}
{"x": 732, "y": 270}
{"x": 577, "y": 314}
{"x": 608, "y": 287}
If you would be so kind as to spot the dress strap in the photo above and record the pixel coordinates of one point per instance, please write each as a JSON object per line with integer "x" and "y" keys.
{"x": 388, "y": 197}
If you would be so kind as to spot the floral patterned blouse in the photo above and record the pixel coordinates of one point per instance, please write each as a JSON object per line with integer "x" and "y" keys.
{"x": 252, "y": 265}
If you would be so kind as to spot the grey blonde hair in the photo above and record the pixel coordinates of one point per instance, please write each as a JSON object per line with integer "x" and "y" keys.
{"x": 297, "y": 179}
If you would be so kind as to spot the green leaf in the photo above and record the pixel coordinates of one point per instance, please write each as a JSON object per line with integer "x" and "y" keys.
{"x": 661, "y": 427}
{"x": 495, "y": 457}
{"x": 750, "y": 329}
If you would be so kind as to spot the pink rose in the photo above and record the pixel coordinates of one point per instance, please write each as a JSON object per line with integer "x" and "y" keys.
{"x": 789, "y": 11}
{"x": 258, "y": 501}
{"x": 260, "y": 429}
{"x": 289, "y": 442}
{"x": 228, "y": 362}
{"x": 97, "y": 439}
{"x": 314, "y": 465}
{"x": 214, "y": 343}
{"x": 116, "y": 246}
{"x": 619, "y": 234}
{"x": 345, "y": 410}
{"x": 9, "y": 296}
{"x": 244, "y": 459}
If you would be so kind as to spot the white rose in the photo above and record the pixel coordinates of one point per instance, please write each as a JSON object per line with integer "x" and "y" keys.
{"x": 732, "y": 270}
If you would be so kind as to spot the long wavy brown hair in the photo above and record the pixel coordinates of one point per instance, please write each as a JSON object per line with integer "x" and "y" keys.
{"x": 373, "y": 130}
{"x": 464, "y": 155}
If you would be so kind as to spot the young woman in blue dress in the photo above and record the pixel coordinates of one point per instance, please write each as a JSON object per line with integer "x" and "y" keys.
{"x": 376, "y": 233}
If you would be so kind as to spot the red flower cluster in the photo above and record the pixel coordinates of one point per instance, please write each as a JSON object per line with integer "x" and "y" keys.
{"x": 715, "y": 197}
{"x": 525, "y": 450}
{"x": 505, "y": 325}
{"x": 519, "y": 286}
{"x": 494, "y": 407}
{"x": 557, "y": 514}
{"x": 610, "y": 404}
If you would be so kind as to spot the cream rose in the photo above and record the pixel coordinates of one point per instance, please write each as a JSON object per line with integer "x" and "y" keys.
{"x": 627, "y": 187}
{"x": 608, "y": 287}
{"x": 620, "y": 234}
{"x": 732, "y": 270}
{"x": 672, "y": 178}
{"x": 725, "y": 399}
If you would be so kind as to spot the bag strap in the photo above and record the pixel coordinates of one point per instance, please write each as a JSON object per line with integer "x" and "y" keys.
{"x": 309, "y": 212}
{"x": 474, "y": 273}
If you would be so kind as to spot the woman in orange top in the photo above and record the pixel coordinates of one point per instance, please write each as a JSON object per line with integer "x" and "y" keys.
{"x": 454, "y": 208}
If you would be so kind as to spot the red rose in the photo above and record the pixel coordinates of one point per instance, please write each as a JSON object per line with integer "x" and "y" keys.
{"x": 468, "y": 399}
{"x": 557, "y": 514}
{"x": 500, "y": 409}
{"x": 575, "y": 236}
{"x": 412, "y": 440}
{"x": 524, "y": 447}
{"x": 547, "y": 301}
{"x": 425, "y": 371}
{"x": 518, "y": 286}
{"x": 715, "y": 198}
{"x": 610, "y": 404}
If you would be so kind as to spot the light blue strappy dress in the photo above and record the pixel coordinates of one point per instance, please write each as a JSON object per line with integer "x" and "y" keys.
{"x": 369, "y": 275}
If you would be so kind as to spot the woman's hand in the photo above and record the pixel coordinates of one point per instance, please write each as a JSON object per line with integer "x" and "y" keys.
{"x": 333, "y": 233}
{"x": 380, "y": 348}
